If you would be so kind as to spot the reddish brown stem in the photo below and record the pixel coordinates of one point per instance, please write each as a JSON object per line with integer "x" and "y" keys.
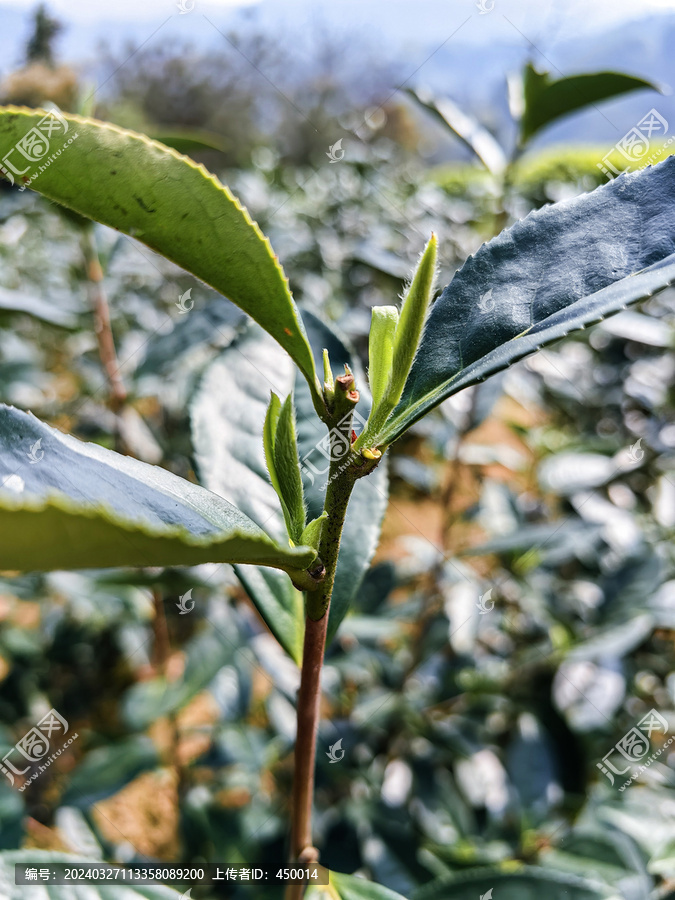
{"x": 162, "y": 644}
{"x": 309, "y": 703}
{"x": 102, "y": 326}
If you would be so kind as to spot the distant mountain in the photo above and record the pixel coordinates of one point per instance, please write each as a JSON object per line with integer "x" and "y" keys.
{"x": 476, "y": 79}
{"x": 448, "y": 47}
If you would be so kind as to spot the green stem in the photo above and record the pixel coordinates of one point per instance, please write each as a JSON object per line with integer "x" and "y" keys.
{"x": 338, "y": 493}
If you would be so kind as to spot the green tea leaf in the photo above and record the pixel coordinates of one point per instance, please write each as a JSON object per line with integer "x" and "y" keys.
{"x": 411, "y": 320}
{"x": 406, "y": 339}
{"x": 269, "y": 437}
{"x": 381, "y": 349}
{"x": 287, "y": 466}
{"x": 545, "y": 100}
{"x": 561, "y": 268}
{"x": 279, "y": 603}
{"x": 65, "y": 504}
{"x": 312, "y": 533}
{"x": 606, "y": 854}
{"x": 328, "y": 379}
{"x": 168, "y": 202}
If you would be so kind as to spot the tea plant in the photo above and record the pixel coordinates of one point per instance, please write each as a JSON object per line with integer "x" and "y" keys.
{"x": 300, "y": 551}
{"x": 536, "y": 101}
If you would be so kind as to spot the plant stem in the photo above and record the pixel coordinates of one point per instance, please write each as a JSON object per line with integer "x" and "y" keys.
{"x": 102, "y": 326}
{"x": 342, "y": 476}
{"x": 309, "y": 702}
{"x": 338, "y": 493}
{"x": 161, "y": 649}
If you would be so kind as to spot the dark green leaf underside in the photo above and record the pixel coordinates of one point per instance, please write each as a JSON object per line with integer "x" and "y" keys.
{"x": 545, "y": 276}
{"x": 227, "y": 415}
{"x": 78, "y": 505}
{"x": 279, "y": 603}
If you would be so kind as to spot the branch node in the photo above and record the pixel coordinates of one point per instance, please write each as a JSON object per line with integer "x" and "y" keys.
{"x": 308, "y": 856}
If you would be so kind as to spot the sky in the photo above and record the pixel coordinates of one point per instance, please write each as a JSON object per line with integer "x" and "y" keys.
{"x": 573, "y": 15}
{"x": 464, "y": 48}
{"x": 404, "y": 26}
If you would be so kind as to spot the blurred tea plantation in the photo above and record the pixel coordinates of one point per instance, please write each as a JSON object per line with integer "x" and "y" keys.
{"x": 518, "y": 617}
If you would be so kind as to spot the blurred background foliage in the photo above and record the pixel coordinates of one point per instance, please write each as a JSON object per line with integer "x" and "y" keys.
{"x": 471, "y": 734}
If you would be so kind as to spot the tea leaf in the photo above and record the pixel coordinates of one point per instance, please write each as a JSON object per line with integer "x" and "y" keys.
{"x": 151, "y": 192}
{"x": 65, "y": 504}
{"x": 546, "y": 99}
{"x": 562, "y": 268}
